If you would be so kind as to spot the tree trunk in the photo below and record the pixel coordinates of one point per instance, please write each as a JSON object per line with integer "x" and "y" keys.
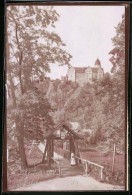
{"x": 14, "y": 102}
{"x": 19, "y": 136}
{"x": 24, "y": 164}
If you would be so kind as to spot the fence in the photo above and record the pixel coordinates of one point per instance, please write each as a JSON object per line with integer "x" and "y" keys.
{"x": 87, "y": 162}
{"x": 58, "y": 164}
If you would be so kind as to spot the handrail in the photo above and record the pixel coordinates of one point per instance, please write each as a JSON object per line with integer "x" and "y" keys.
{"x": 90, "y": 162}
{"x": 87, "y": 161}
{"x": 55, "y": 160}
{"x": 58, "y": 163}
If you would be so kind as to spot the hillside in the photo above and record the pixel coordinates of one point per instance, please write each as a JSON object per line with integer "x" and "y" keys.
{"x": 94, "y": 106}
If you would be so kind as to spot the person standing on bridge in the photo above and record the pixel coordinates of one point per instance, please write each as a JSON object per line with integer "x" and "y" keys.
{"x": 73, "y": 161}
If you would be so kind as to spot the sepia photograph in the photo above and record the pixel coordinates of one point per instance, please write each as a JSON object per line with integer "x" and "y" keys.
{"x": 66, "y": 106}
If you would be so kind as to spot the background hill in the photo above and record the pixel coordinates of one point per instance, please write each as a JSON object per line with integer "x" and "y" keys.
{"x": 98, "y": 107}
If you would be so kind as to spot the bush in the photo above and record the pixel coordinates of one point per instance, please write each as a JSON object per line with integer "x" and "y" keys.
{"x": 118, "y": 177}
{"x": 25, "y": 178}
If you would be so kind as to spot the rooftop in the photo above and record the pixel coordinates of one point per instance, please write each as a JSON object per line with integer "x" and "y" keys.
{"x": 97, "y": 62}
{"x": 80, "y": 69}
{"x": 66, "y": 127}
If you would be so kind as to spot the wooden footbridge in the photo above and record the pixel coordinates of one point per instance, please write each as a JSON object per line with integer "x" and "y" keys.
{"x": 68, "y": 138}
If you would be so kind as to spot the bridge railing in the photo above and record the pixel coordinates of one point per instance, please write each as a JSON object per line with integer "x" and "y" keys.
{"x": 87, "y": 162}
{"x": 58, "y": 164}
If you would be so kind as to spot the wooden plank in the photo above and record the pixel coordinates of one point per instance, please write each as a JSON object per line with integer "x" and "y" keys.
{"x": 72, "y": 146}
{"x": 101, "y": 174}
{"x": 90, "y": 162}
{"x": 86, "y": 170}
{"x": 48, "y": 152}
{"x": 76, "y": 151}
{"x": 52, "y": 149}
{"x": 77, "y": 136}
{"x": 113, "y": 163}
{"x": 44, "y": 153}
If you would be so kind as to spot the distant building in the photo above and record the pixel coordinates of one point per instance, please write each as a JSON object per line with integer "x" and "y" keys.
{"x": 86, "y": 74}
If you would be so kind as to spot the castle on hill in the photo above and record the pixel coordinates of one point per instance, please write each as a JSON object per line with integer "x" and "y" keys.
{"x": 84, "y": 75}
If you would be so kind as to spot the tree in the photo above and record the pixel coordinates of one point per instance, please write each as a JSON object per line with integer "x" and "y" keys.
{"x": 31, "y": 47}
{"x": 118, "y": 52}
{"x": 116, "y": 103}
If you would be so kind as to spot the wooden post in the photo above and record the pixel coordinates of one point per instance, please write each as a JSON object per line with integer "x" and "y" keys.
{"x": 49, "y": 152}
{"x": 72, "y": 146}
{"x": 52, "y": 148}
{"x": 77, "y": 153}
{"x": 113, "y": 163}
{"x": 45, "y": 150}
{"x": 59, "y": 170}
{"x": 101, "y": 175}
{"x": 86, "y": 169}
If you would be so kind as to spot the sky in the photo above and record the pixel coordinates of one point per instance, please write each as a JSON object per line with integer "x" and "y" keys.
{"x": 87, "y": 33}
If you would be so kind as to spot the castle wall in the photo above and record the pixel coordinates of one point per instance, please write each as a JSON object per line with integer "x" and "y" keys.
{"x": 94, "y": 75}
{"x": 89, "y": 76}
{"x": 71, "y": 74}
{"x": 85, "y": 75}
{"x": 100, "y": 74}
{"x": 81, "y": 78}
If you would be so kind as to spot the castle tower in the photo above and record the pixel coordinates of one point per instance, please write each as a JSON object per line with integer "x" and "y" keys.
{"x": 97, "y": 64}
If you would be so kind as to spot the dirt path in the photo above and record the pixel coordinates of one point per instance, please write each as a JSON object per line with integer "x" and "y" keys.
{"x": 72, "y": 183}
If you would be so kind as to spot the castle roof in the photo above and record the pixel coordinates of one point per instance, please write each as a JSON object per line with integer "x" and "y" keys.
{"x": 95, "y": 70}
{"x": 80, "y": 69}
{"x": 97, "y": 62}
{"x": 83, "y": 69}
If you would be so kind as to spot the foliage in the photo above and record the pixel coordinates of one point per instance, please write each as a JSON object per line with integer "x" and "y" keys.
{"x": 118, "y": 52}
{"x": 33, "y": 111}
{"x": 31, "y": 47}
{"x": 100, "y": 106}
{"x": 33, "y": 44}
